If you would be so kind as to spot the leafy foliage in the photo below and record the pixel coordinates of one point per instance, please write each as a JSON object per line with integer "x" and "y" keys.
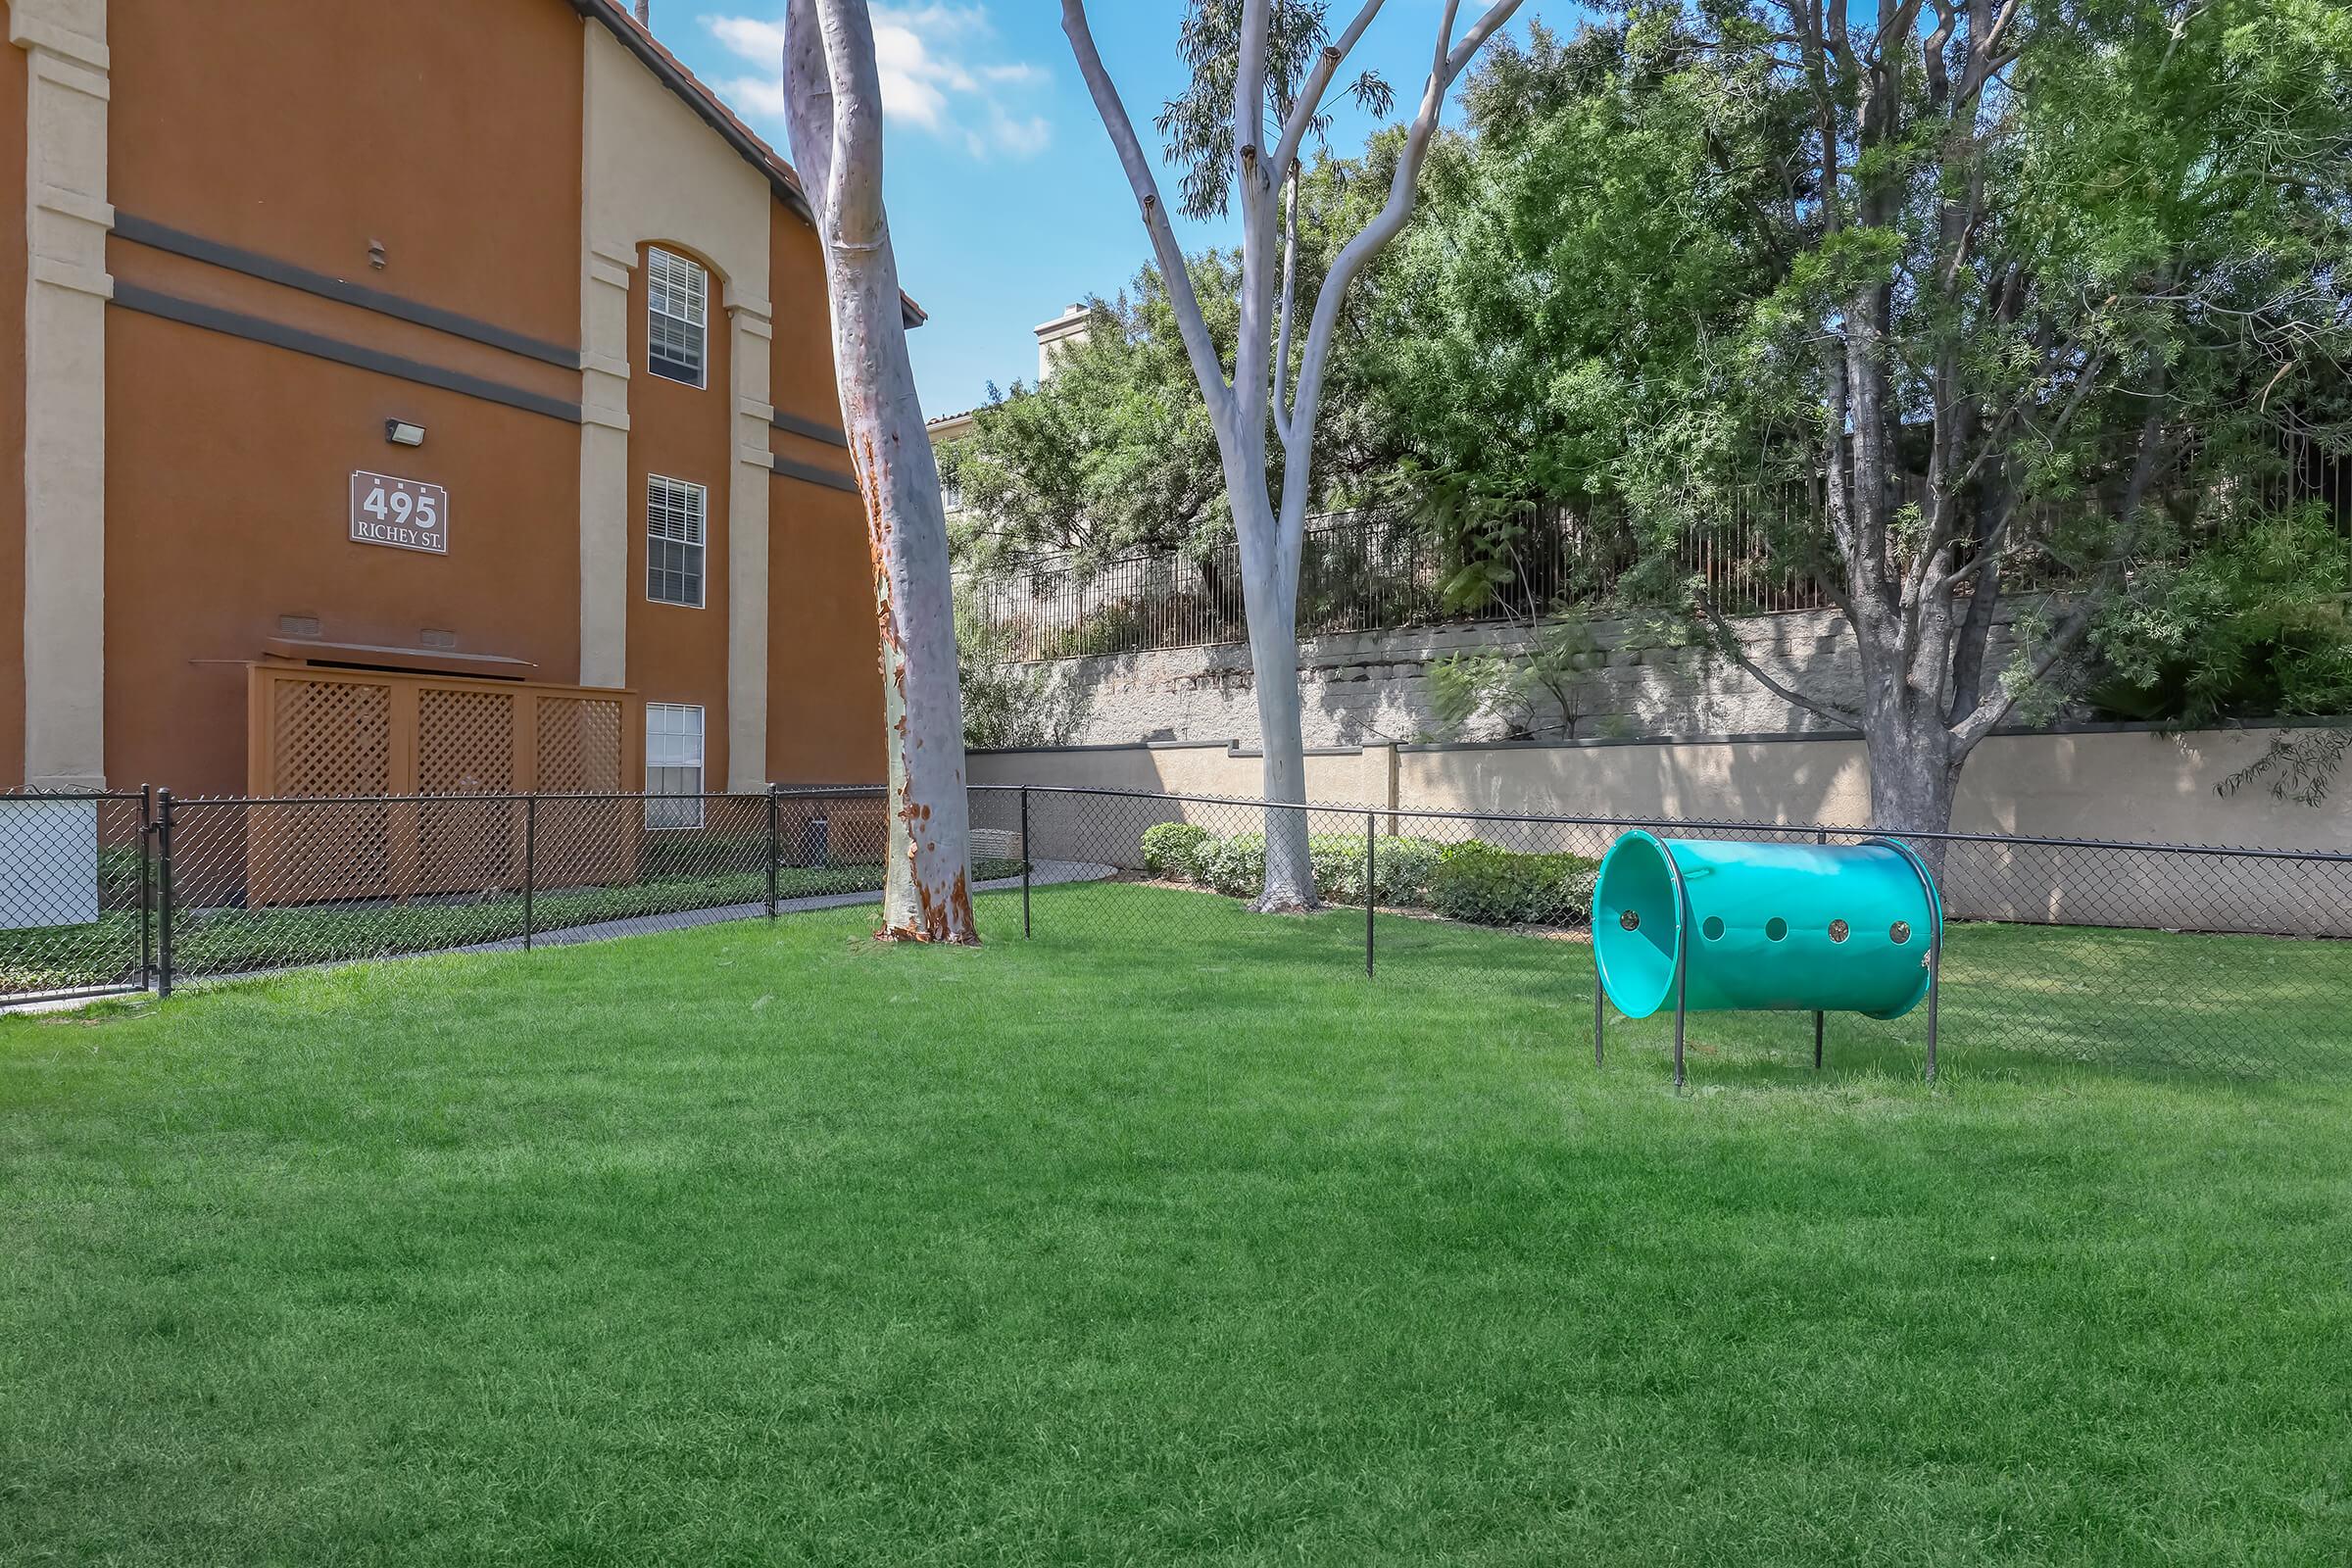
{"x": 1473, "y": 881}
{"x": 1173, "y": 849}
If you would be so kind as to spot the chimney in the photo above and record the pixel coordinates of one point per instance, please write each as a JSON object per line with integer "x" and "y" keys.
{"x": 1070, "y": 326}
{"x": 645, "y": 15}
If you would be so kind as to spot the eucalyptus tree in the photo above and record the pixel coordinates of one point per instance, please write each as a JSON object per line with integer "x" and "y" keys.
{"x": 1277, "y": 60}
{"x": 833, "y": 99}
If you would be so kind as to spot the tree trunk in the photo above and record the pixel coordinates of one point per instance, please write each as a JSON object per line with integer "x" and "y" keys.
{"x": 835, "y": 110}
{"x": 1273, "y": 616}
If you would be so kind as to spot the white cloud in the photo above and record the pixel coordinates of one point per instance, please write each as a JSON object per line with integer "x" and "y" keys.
{"x": 935, "y": 75}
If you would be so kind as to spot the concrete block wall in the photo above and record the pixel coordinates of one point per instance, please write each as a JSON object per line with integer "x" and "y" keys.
{"x": 1374, "y": 688}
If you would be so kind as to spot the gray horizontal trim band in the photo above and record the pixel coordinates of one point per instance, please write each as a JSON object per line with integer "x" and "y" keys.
{"x": 252, "y": 263}
{"x": 811, "y": 429}
{"x": 254, "y": 329}
{"x": 787, "y": 468}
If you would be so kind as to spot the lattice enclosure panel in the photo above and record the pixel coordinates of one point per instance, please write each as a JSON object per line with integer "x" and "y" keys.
{"x": 579, "y": 746}
{"x": 327, "y": 737}
{"x": 332, "y": 737}
{"x": 465, "y": 746}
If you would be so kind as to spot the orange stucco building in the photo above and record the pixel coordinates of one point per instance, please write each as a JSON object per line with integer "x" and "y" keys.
{"x": 467, "y": 346}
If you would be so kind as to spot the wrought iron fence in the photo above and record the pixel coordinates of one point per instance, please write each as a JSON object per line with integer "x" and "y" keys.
{"x": 1359, "y": 573}
{"x": 2133, "y": 953}
{"x": 1369, "y": 571}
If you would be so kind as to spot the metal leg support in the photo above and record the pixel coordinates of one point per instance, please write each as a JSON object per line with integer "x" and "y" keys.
{"x": 1601, "y": 1008}
{"x": 1817, "y": 1042}
{"x": 1935, "y": 995}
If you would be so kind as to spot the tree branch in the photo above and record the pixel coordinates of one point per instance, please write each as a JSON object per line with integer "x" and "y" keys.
{"x": 1318, "y": 81}
{"x": 1297, "y": 449}
{"x": 808, "y": 106}
{"x": 1727, "y": 642}
{"x": 854, "y": 188}
{"x": 1199, "y": 346}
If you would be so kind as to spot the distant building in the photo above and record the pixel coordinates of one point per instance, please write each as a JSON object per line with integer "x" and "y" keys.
{"x": 1067, "y": 330}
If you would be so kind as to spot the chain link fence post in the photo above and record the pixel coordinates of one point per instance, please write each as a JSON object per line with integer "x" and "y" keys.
{"x": 163, "y": 932}
{"x": 530, "y": 867}
{"x": 775, "y": 850}
{"x": 146, "y": 887}
{"x": 1026, "y": 860}
{"x": 1371, "y": 896}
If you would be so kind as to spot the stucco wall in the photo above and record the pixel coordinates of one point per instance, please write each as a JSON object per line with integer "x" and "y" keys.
{"x": 2120, "y": 783}
{"x": 1372, "y": 687}
{"x": 14, "y": 68}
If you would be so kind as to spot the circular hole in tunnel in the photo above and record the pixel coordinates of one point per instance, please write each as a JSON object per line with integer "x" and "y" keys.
{"x": 1776, "y": 928}
{"x": 1837, "y": 931}
{"x": 1713, "y": 928}
{"x": 1899, "y": 931}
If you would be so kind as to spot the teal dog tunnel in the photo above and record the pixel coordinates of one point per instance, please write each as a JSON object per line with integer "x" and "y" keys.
{"x": 1707, "y": 925}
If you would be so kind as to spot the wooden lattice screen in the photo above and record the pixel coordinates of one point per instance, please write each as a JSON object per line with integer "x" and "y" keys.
{"x": 313, "y": 732}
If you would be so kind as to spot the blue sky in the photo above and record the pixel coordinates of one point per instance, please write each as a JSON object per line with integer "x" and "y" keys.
{"x": 1005, "y": 199}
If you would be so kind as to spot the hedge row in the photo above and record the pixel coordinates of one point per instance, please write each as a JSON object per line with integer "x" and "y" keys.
{"x": 1472, "y": 880}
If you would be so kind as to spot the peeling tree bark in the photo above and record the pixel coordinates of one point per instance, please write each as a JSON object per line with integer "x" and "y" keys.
{"x": 1249, "y": 409}
{"x": 834, "y": 108}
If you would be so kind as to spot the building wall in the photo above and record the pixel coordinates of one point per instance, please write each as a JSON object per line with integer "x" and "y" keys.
{"x": 676, "y": 654}
{"x": 244, "y": 238}
{"x": 13, "y": 72}
{"x": 227, "y": 515}
{"x": 653, "y": 172}
{"x": 824, "y": 649}
{"x": 228, "y": 458}
{"x": 306, "y": 132}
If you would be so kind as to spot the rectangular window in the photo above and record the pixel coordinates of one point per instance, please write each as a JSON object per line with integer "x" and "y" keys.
{"x": 677, "y": 296}
{"x": 674, "y": 510}
{"x": 674, "y": 763}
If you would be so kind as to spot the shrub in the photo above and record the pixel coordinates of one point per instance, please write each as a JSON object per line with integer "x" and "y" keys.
{"x": 1176, "y": 850}
{"x": 1400, "y": 867}
{"x": 1405, "y": 866}
{"x": 1236, "y": 866}
{"x": 1477, "y": 882}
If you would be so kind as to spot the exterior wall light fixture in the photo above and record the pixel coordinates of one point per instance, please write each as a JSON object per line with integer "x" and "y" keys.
{"x": 401, "y": 434}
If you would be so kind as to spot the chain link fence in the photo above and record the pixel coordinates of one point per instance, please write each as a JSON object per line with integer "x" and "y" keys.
{"x": 111, "y": 893}
{"x": 76, "y": 895}
{"x": 2230, "y": 960}
{"x": 2162, "y": 955}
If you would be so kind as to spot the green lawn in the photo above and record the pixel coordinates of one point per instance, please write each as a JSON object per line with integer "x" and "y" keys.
{"x": 1168, "y": 1237}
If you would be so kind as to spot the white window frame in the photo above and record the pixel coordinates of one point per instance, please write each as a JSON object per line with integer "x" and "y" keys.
{"x": 691, "y": 532}
{"x": 666, "y": 819}
{"x": 683, "y": 281}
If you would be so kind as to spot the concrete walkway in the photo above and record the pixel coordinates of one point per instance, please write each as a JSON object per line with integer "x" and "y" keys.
{"x": 1044, "y": 874}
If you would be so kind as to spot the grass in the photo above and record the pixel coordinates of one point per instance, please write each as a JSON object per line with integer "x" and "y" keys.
{"x": 1164, "y": 1238}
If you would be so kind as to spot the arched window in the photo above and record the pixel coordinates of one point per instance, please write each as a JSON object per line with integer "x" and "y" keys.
{"x": 677, "y": 295}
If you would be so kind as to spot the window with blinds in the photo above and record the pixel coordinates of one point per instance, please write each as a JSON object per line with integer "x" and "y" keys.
{"x": 673, "y": 541}
{"x": 677, "y": 295}
{"x": 673, "y": 764}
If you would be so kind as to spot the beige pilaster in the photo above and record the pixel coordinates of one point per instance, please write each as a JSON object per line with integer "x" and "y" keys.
{"x": 66, "y": 221}
{"x": 604, "y": 463}
{"x": 750, "y": 346}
